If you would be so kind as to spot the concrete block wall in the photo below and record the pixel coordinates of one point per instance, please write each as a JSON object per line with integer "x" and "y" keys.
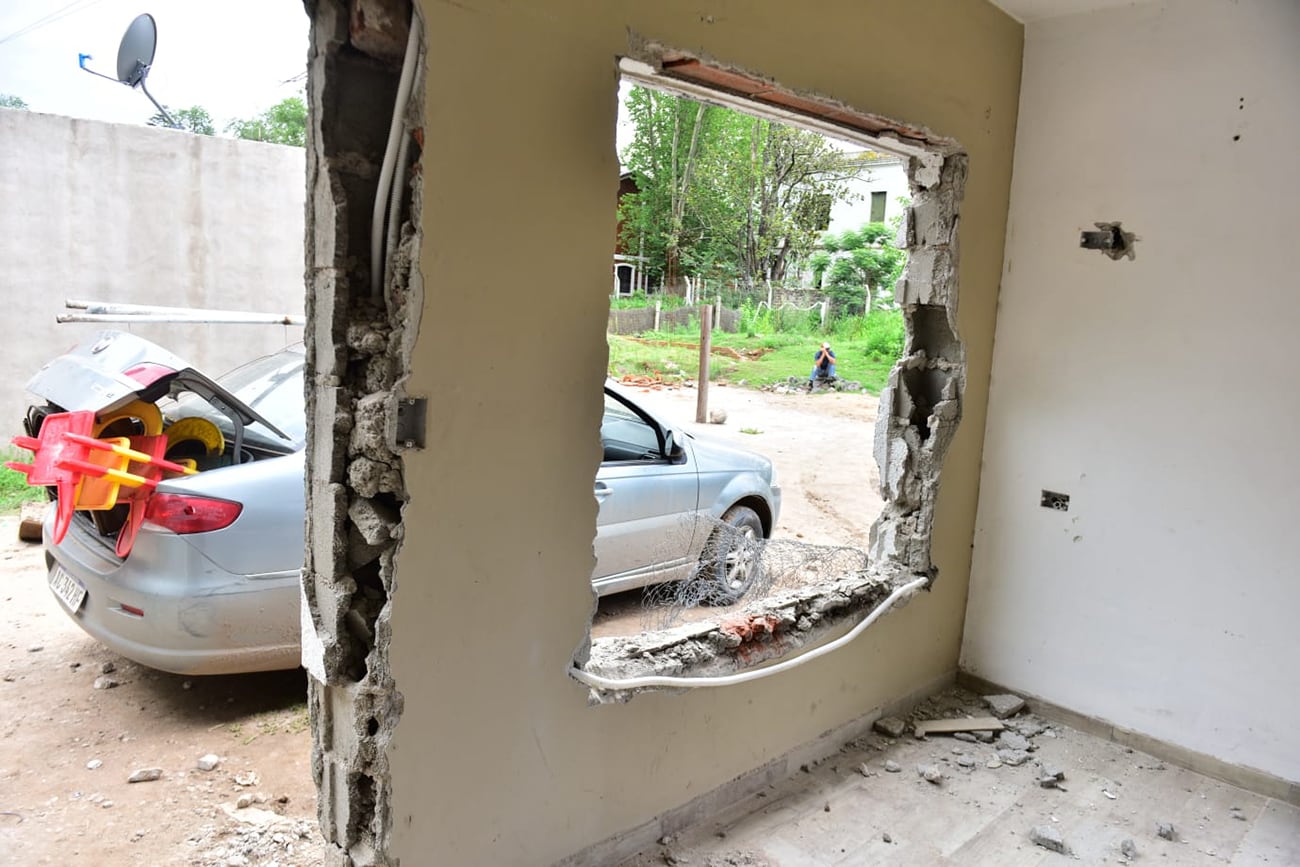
{"x": 113, "y": 212}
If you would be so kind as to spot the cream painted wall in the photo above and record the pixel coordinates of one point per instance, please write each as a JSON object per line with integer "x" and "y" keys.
{"x": 138, "y": 215}
{"x": 1159, "y": 393}
{"x": 497, "y": 758}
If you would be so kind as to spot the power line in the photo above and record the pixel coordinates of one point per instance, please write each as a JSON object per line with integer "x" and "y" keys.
{"x": 57, "y": 15}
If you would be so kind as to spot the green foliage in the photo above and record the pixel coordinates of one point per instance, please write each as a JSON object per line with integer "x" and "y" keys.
{"x": 195, "y": 119}
{"x": 867, "y": 266}
{"x": 283, "y": 123}
{"x": 14, "y": 490}
{"x": 880, "y": 333}
{"x": 723, "y": 195}
{"x": 10, "y": 101}
{"x": 639, "y": 299}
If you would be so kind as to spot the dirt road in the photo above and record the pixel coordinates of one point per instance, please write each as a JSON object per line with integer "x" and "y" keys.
{"x": 67, "y": 748}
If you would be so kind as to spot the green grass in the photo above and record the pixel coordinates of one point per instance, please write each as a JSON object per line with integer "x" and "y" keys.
{"x": 865, "y": 347}
{"x": 14, "y": 490}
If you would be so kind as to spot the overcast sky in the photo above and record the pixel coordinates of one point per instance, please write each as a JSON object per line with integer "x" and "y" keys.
{"x": 230, "y": 57}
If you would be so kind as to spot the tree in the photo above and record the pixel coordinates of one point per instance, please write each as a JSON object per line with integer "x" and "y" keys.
{"x": 859, "y": 266}
{"x": 195, "y": 119}
{"x": 722, "y": 194}
{"x": 283, "y": 123}
{"x": 8, "y": 101}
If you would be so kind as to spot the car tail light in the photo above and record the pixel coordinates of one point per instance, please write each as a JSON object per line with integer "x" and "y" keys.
{"x": 182, "y": 513}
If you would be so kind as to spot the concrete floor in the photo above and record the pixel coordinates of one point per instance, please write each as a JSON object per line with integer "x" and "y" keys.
{"x": 850, "y": 810}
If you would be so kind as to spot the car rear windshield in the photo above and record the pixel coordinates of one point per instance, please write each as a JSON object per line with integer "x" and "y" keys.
{"x": 273, "y": 387}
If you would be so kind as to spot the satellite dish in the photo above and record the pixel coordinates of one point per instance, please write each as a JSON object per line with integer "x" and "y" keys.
{"x": 134, "y": 59}
{"x": 135, "y": 54}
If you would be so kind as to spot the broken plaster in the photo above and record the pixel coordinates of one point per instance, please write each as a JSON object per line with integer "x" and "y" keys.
{"x": 358, "y": 348}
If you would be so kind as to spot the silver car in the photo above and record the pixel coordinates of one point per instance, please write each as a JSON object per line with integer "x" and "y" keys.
{"x": 210, "y": 583}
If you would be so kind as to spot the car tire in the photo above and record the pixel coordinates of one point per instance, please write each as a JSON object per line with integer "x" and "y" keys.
{"x": 732, "y": 561}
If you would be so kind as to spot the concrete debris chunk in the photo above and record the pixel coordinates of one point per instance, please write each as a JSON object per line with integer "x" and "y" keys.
{"x": 994, "y": 763}
{"x": 1165, "y": 830}
{"x": 891, "y": 726}
{"x": 209, "y": 762}
{"x": 1050, "y": 776}
{"x": 1013, "y": 757}
{"x": 1128, "y": 849}
{"x": 1027, "y": 726}
{"x": 1049, "y": 838}
{"x": 1005, "y": 705}
{"x": 94, "y": 765}
{"x": 967, "y": 737}
{"x": 885, "y": 838}
{"x": 243, "y": 802}
{"x": 984, "y": 737}
{"x": 966, "y": 761}
{"x": 248, "y": 778}
{"x": 145, "y": 775}
{"x": 1012, "y": 741}
{"x": 104, "y": 682}
{"x": 930, "y": 773}
{"x": 892, "y": 766}
{"x": 108, "y": 667}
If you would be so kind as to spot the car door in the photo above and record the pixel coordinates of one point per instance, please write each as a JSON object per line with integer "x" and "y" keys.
{"x": 648, "y": 501}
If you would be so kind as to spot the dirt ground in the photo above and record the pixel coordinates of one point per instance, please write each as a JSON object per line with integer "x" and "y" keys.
{"x": 68, "y": 748}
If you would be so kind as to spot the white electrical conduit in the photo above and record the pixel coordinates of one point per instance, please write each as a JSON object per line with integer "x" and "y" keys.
{"x": 395, "y": 135}
{"x": 395, "y": 207}
{"x": 614, "y": 683}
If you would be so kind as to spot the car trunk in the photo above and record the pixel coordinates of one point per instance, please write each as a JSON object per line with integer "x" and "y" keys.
{"x": 135, "y": 388}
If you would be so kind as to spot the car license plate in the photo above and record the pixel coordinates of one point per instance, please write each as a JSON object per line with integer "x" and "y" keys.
{"x": 67, "y": 588}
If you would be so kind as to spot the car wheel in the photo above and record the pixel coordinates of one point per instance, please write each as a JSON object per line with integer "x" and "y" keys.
{"x": 732, "y": 561}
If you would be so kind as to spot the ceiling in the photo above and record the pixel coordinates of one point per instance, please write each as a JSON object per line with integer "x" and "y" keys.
{"x": 1037, "y": 10}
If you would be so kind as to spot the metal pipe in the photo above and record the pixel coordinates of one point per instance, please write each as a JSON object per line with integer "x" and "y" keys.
{"x": 113, "y": 307}
{"x": 214, "y": 319}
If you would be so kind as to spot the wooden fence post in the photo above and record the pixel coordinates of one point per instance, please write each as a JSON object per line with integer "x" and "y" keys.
{"x": 706, "y": 338}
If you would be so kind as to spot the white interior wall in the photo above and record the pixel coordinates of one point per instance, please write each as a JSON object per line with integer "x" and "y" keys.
{"x": 135, "y": 214}
{"x": 1159, "y": 393}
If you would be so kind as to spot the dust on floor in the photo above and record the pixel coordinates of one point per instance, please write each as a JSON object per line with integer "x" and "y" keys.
{"x": 1015, "y": 798}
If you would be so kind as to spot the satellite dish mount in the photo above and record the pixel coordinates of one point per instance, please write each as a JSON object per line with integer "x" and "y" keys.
{"x": 135, "y": 59}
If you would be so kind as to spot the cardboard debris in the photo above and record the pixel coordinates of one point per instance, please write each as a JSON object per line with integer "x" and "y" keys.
{"x": 963, "y": 724}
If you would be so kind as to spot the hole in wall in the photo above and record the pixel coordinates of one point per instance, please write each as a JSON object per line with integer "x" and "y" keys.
{"x": 734, "y": 564}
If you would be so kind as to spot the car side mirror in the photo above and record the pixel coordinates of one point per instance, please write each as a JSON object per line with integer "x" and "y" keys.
{"x": 672, "y": 447}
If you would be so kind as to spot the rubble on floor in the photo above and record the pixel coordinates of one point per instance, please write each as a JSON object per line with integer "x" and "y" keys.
{"x": 977, "y": 797}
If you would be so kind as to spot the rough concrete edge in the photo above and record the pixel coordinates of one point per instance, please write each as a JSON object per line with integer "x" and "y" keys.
{"x": 619, "y": 847}
{"x": 910, "y": 439}
{"x": 652, "y": 52}
{"x": 1244, "y": 776}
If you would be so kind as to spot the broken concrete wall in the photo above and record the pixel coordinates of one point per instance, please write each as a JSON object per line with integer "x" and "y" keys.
{"x": 496, "y": 757}
{"x": 1157, "y": 392}
{"x": 358, "y": 351}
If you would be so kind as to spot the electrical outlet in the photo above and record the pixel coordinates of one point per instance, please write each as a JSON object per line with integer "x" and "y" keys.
{"x": 1056, "y": 501}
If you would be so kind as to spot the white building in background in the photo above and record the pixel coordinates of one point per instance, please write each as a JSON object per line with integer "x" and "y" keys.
{"x": 874, "y": 195}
